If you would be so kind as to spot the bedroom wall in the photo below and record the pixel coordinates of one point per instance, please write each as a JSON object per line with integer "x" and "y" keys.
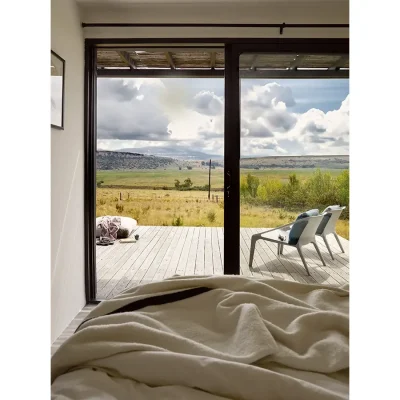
{"x": 67, "y": 173}
{"x": 290, "y": 11}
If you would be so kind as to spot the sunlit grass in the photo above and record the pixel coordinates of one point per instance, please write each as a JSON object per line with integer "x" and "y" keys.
{"x": 162, "y": 207}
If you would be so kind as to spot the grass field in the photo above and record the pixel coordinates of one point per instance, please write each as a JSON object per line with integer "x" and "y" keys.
{"x": 164, "y": 207}
{"x": 159, "y": 178}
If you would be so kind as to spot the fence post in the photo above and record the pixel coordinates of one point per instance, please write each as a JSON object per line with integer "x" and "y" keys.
{"x": 120, "y": 195}
{"x": 128, "y": 195}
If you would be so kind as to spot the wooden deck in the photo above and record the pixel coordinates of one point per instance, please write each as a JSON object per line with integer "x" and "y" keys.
{"x": 163, "y": 251}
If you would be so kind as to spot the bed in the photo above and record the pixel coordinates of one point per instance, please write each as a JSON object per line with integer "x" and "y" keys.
{"x": 216, "y": 337}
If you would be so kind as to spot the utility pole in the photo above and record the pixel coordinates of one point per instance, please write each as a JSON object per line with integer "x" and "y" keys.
{"x": 209, "y": 180}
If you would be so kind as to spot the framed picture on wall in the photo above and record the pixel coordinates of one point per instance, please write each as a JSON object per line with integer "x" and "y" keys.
{"x": 57, "y": 90}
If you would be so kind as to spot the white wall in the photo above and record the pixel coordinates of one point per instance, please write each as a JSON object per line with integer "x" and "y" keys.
{"x": 322, "y": 12}
{"x": 67, "y": 172}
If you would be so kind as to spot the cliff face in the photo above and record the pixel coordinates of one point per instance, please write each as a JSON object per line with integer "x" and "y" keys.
{"x": 110, "y": 160}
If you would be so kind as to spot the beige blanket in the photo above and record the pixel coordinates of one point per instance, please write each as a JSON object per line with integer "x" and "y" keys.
{"x": 244, "y": 339}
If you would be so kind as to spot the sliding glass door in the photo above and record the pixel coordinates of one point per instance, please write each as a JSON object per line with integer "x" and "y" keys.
{"x": 197, "y": 144}
{"x": 286, "y": 148}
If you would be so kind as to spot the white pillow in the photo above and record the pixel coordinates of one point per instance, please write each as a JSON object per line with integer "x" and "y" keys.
{"x": 128, "y": 225}
{"x": 331, "y": 208}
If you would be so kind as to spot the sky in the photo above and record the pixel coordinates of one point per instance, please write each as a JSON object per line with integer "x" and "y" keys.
{"x": 185, "y": 116}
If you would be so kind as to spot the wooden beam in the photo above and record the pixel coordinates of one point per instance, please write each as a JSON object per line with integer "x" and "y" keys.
{"x": 170, "y": 60}
{"x": 161, "y": 73}
{"x": 163, "y": 49}
{"x": 127, "y": 59}
{"x": 294, "y": 73}
{"x": 295, "y": 63}
{"x": 339, "y": 63}
{"x": 219, "y": 73}
{"x": 253, "y": 63}
{"x": 212, "y": 59}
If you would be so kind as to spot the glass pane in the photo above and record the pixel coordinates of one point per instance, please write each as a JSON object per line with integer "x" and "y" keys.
{"x": 294, "y": 158}
{"x": 160, "y": 155}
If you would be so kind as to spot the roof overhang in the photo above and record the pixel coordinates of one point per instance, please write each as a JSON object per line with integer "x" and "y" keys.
{"x": 202, "y": 61}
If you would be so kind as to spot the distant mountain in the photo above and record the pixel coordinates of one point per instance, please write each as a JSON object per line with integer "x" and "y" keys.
{"x": 113, "y": 160}
{"x": 135, "y": 159}
{"x": 179, "y": 153}
{"x": 327, "y": 162}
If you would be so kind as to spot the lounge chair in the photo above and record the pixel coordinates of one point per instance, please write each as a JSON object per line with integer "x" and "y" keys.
{"x": 296, "y": 234}
{"x": 328, "y": 225}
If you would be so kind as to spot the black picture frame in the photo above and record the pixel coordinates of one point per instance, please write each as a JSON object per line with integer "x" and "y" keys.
{"x": 57, "y": 95}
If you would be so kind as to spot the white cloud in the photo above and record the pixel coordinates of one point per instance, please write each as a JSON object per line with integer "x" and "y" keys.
{"x": 320, "y": 132}
{"x": 271, "y": 95}
{"x": 206, "y": 102}
{"x": 133, "y": 111}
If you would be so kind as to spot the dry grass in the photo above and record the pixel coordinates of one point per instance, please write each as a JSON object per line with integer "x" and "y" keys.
{"x": 162, "y": 207}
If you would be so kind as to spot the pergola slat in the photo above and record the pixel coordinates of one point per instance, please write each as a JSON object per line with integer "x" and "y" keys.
{"x": 127, "y": 59}
{"x": 296, "y": 61}
{"x": 343, "y": 61}
{"x": 253, "y": 63}
{"x": 220, "y": 73}
{"x": 195, "y": 60}
{"x": 170, "y": 60}
{"x": 212, "y": 59}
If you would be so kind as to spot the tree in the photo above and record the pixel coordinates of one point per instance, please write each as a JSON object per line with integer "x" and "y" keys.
{"x": 177, "y": 184}
{"x": 99, "y": 183}
{"x": 187, "y": 183}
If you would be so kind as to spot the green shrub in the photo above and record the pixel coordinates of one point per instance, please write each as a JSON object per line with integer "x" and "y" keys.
{"x": 320, "y": 190}
{"x": 252, "y": 185}
{"x": 211, "y": 216}
{"x": 187, "y": 183}
{"x": 177, "y": 221}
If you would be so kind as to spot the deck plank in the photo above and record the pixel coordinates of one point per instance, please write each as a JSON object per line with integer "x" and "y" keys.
{"x": 273, "y": 263}
{"x": 216, "y": 255}
{"x": 191, "y": 262}
{"x": 145, "y": 246}
{"x": 122, "y": 263}
{"x": 208, "y": 258}
{"x": 171, "y": 271}
{"x": 220, "y": 231}
{"x": 183, "y": 259}
{"x": 261, "y": 257}
{"x": 162, "y": 270}
{"x": 166, "y": 241}
{"x": 147, "y": 262}
{"x": 199, "y": 266}
{"x": 116, "y": 252}
{"x": 257, "y": 261}
{"x": 162, "y": 252}
{"x": 244, "y": 259}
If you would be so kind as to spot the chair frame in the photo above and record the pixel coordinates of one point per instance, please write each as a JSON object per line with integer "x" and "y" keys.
{"x": 306, "y": 237}
{"x": 330, "y": 228}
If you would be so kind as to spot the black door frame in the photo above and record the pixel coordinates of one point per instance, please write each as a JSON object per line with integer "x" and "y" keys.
{"x": 234, "y": 47}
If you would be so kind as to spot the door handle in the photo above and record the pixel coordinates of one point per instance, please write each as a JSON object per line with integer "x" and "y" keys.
{"x": 228, "y": 181}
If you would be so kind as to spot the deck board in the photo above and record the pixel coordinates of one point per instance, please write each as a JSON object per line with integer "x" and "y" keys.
{"x": 164, "y": 251}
